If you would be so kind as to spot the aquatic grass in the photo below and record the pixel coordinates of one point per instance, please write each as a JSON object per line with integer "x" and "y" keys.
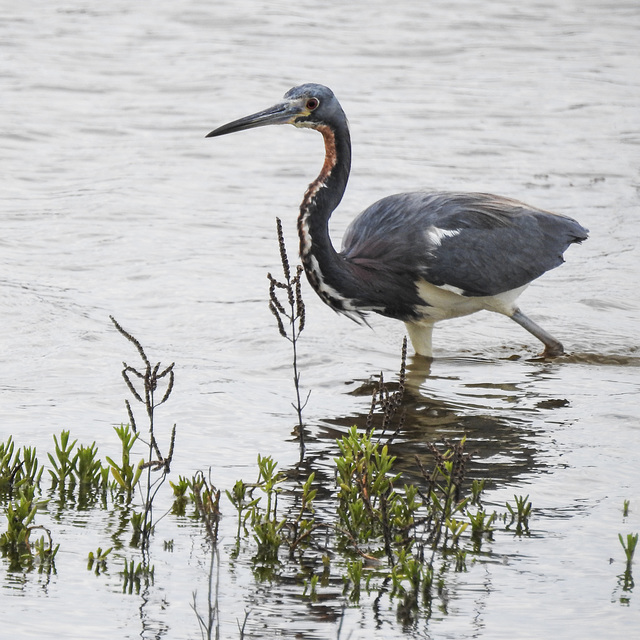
{"x": 481, "y": 526}
{"x": 629, "y": 544}
{"x": 20, "y": 515}
{"x": 18, "y": 467}
{"x": 434, "y": 519}
{"x": 411, "y": 577}
{"x": 45, "y": 551}
{"x": 63, "y": 464}
{"x": 180, "y": 497}
{"x": 477, "y": 487}
{"x": 629, "y": 547}
{"x": 206, "y": 499}
{"x": 383, "y": 530}
{"x": 241, "y": 497}
{"x": 125, "y": 473}
{"x": 305, "y": 523}
{"x": 382, "y": 526}
{"x": 88, "y": 466}
{"x": 444, "y": 485}
{"x": 136, "y": 576}
{"x": 78, "y": 477}
{"x": 376, "y": 531}
{"x": 15, "y": 542}
{"x": 97, "y": 562}
{"x": 311, "y": 588}
{"x": 290, "y": 319}
{"x": 520, "y": 515}
{"x": 367, "y": 500}
{"x": 260, "y": 519}
{"x": 77, "y": 466}
{"x": 267, "y": 526}
{"x": 353, "y": 579}
{"x": 369, "y": 506}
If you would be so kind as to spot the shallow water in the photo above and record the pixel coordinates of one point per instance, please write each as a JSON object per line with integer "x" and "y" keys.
{"x": 114, "y": 203}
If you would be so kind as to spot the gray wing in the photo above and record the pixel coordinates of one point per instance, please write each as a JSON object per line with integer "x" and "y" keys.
{"x": 479, "y": 243}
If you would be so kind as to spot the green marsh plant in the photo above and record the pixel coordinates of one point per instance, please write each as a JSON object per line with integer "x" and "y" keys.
{"x": 18, "y": 467}
{"x": 180, "y": 495}
{"x": 77, "y": 467}
{"x": 97, "y": 562}
{"x": 126, "y": 474}
{"x": 380, "y": 529}
{"x": 88, "y": 467}
{"x": 206, "y": 499}
{"x": 16, "y": 542}
{"x": 259, "y": 516}
{"x": 136, "y": 576}
{"x": 267, "y": 526}
{"x": 629, "y": 544}
{"x": 64, "y": 462}
{"x": 369, "y": 507}
{"x": 241, "y": 497}
{"x": 519, "y": 515}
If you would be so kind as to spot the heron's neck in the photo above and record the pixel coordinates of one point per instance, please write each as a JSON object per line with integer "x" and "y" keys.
{"x": 321, "y": 262}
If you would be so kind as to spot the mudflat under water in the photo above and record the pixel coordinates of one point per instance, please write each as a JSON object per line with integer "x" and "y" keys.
{"x": 114, "y": 203}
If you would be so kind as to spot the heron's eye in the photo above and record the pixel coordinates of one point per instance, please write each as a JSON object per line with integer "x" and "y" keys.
{"x": 313, "y": 104}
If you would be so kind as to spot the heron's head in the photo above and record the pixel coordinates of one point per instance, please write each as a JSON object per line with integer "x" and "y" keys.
{"x": 308, "y": 105}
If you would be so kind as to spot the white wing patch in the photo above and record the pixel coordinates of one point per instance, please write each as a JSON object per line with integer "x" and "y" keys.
{"x": 435, "y": 235}
{"x": 450, "y": 287}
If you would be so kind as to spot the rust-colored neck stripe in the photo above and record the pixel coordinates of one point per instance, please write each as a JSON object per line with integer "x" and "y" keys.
{"x": 330, "y": 160}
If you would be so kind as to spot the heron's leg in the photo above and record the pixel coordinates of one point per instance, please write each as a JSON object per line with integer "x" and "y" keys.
{"x": 420, "y": 336}
{"x": 551, "y": 346}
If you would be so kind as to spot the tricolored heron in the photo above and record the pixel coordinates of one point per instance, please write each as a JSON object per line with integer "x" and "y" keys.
{"x": 418, "y": 257}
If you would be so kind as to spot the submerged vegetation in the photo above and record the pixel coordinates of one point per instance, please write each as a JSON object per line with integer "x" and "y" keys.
{"x": 373, "y": 533}
{"x": 629, "y": 544}
{"x": 80, "y": 479}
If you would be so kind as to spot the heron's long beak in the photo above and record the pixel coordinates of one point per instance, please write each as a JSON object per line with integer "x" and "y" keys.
{"x": 282, "y": 113}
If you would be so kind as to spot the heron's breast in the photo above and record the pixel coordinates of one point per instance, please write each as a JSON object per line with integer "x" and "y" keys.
{"x": 444, "y": 302}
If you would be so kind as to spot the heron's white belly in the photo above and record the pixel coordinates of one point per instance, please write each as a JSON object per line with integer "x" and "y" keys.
{"x": 442, "y": 303}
